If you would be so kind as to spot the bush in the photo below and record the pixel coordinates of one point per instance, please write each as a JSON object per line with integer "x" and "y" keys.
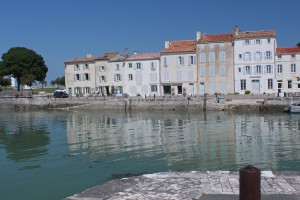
{"x": 247, "y": 91}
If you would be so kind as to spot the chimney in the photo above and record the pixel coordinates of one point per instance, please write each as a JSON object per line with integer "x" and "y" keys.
{"x": 89, "y": 55}
{"x": 198, "y": 35}
{"x": 126, "y": 51}
{"x": 167, "y": 43}
{"x": 235, "y": 31}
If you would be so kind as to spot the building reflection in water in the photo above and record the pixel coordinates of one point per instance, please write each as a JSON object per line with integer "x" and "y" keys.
{"x": 205, "y": 140}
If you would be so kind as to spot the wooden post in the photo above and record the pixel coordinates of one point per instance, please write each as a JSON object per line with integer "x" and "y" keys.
{"x": 250, "y": 183}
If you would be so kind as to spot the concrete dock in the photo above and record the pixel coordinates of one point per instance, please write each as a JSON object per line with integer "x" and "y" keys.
{"x": 220, "y": 185}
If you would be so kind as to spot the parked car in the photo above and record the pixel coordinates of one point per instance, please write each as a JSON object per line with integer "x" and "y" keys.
{"x": 60, "y": 94}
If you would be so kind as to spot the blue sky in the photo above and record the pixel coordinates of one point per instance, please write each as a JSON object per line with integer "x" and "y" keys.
{"x": 63, "y": 29}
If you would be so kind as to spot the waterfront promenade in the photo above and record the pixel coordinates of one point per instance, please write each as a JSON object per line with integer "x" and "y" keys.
{"x": 221, "y": 185}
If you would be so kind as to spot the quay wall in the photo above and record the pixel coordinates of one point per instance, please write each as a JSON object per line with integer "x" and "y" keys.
{"x": 212, "y": 102}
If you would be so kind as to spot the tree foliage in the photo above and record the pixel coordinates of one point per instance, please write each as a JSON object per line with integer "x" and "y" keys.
{"x": 298, "y": 44}
{"x": 5, "y": 82}
{"x": 59, "y": 81}
{"x": 20, "y": 62}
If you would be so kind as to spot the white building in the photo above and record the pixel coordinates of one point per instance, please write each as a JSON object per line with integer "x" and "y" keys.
{"x": 142, "y": 74}
{"x": 288, "y": 70}
{"x": 254, "y": 61}
{"x": 178, "y": 71}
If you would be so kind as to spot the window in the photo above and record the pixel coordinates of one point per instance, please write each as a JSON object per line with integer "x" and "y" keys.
{"x": 166, "y": 75}
{"x": 293, "y": 56}
{"x": 202, "y": 71}
{"x": 76, "y": 67}
{"x": 279, "y": 69}
{"x": 138, "y": 65}
{"x": 178, "y": 75}
{"x": 221, "y": 44}
{"x": 222, "y": 56}
{"x": 279, "y": 56}
{"x": 102, "y": 68}
{"x": 212, "y": 87}
{"x": 247, "y": 56}
{"x": 138, "y": 78}
{"x": 129, "y": 65}
{"x": 165, "y": 62}
{"x": 86, "y": 90}
{"x": 86, "y": 77}
{"x": 102, "y": 79}
{"x": 270, "y": 83}
{"x": 289, "y": 84}
{"x": 212, "y": 70}
{"x": 180, "y": 60}
{"x": 117, "y": 67}
{"x": 257, "y": 69}
{"x": 257, "y": 41}
{"x": 211, "y": 45}
{"x": 293, "y": 68}
{"x": 77, "y": 77}
{"x": 211, "y": 56}
{"x": 243, "y": 84}
{"x": 268, "y": 55}
{"x": 240, "y": 56}
{"x": 247, "y": 42}
{"x": 86, "y": 66}
{"x": 269, "y": 40}
{"x": 191, "y": 74}
{"x": 153, "y": 77}
{"x": 192, "y": 60}
{"x": 223, "y": 70}
{"x": 223, "y": 87}
{"x": 247, "y": 70}
{"x": 153, "y": 66}
{"x": 269, "y": 69}
{"x": 130, "y": 77}
{"x": 118, "y": 77}
{"x": 257, "y": 55}
{"x": 153, "y": 88}
{"x": 239, "y": 69}
{"x": 202, "y": 57}
{"x": 202, "y": 45}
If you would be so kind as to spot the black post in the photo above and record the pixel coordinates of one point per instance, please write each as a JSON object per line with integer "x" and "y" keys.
{"x": 250, "y": 183}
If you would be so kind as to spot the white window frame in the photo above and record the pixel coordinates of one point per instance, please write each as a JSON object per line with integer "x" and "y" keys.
{"x": 293, "y": 68}
{"x": 102, "y": 79}
{"x": 279, "y": 69}
{"x": 130, "y": 77}
{"x": 243, "y": 84}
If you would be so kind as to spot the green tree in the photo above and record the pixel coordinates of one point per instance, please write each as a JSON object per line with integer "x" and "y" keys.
{"x": 28, "y": 79}
{"x": 59, "y": 81}
{"x": 298, "y": 44}
{"x": 5, "y": 82}
{"x": 44, "y": 82}
{"x": 20, "y": 61}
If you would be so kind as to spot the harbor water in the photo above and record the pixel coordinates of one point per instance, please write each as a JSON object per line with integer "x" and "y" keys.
{"x": 53, "y": 154}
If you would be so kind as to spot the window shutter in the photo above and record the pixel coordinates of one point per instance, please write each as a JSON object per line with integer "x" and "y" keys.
{"x": 178, "y": 60}
{"x": 141, "y": 65}
{"x": 189, "y": 60}
{"x": 182, "y": 60}
{"x": 195, "y": 61}
{"x": 134, "y": 66}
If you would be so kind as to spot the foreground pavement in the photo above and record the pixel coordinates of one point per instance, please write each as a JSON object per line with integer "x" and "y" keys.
{"x": 221, "y": 185}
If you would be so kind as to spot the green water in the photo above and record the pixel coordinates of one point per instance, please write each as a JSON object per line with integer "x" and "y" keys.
{"x": 55, "y": 154}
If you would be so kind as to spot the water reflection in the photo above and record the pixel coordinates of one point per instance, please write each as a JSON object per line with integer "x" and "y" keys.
{"x": 214, "y": 140}
{"x": 23, "y": 136}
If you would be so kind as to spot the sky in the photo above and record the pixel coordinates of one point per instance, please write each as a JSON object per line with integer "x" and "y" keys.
{"x": 60, "y": 30}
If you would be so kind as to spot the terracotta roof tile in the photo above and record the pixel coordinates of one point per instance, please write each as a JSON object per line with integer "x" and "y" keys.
{"x": 227, "y": 37}
{"x": 255, "y": 34}
{"x": 107, "y": 55}
{"x": 288, "y": 50}
{"x": 144, "y": 56}
{"x": 76, "y": 60}
{"x": 181, "y": 46}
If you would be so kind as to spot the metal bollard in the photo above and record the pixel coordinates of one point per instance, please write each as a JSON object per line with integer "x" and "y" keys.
{"x": 250, "y": 183}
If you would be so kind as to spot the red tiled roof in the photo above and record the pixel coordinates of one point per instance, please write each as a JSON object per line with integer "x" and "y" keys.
{"x": 288, "y": 50}
{"x": 75, "y": 60}
{"x": 107, "y": 55}
{"x": 227, "y": 37}
{"x": 181, "y": 46}
{"x": 144, "y": 56}
{"x": 255, "y": 34}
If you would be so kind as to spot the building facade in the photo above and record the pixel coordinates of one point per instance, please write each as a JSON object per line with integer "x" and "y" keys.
{"x": 215, "y": 64}
{"x": 178, "y": 71}
{"x": 254, "y": 61}
{"x": 288, "y": 70}
{"x": 142, "y": 74}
